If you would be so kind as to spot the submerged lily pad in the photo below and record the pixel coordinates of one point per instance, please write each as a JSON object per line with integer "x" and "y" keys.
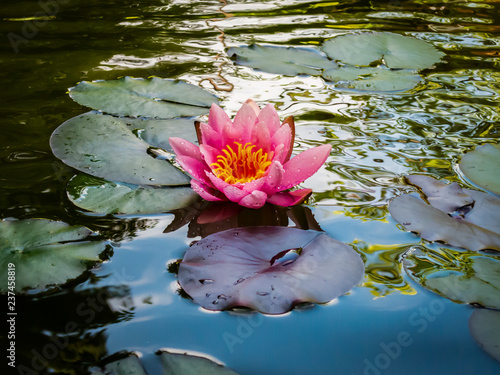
{"x": 482, "y": 167}
{"x": 462, "y": 277}
{"x": 269, "y": 269}
{"x": 288, "y": 61}
{"x": 474, "y": 226}
{"x": 484, "y": 326}
{"x": 397, "y": 51}
{"x": 152, "y": 97}
{"x": 106, "y": 197}
{"x": 105, "y": 146}
{"x": 372, "y": 79}
{"x": 45, "y": 252}
{"x": 171, "y": 363}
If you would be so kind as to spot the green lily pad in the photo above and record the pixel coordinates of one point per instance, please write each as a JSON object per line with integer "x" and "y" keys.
{"x": 372, "y": 79}
{"x": 105, "y": 146}
{"x": 106, "y": 197}
{"x": 482, "y": 167}
{"x": 152, "y": 97}
{"x": 473, "y": 224}
{"x": 396, "y": 51}
{"x": 484, "y": 327}
{"x": 287, "y": 61}
{"x": 461, "y": 277}
{"x": 45, "y": 252}
{"x": 171, "y": 364}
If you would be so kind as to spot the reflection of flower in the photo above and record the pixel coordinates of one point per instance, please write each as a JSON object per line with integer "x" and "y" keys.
{"x": 247, "y": 160}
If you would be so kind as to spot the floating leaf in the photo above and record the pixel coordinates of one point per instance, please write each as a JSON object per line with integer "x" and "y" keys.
{"x": 482, "y": 167}
{"x": 372, "y": 79}
{"x": 184, "y": 364}
{"x": 98, "y": 195}
{"x": 45, "y": 252}
{"x": 462, "y": 277}
{"x": 474, "y": 226}
{"x": 105, "y": 146}
{"x": 288, "y": 61}
{"x": 269, "y": 269}
{"x": 484, "y": 326}
{"x": 441, "y": 195}
{"x": 397, "y": 51}
{"x": 171, "y": 363}
{"x": 152, "y": 97}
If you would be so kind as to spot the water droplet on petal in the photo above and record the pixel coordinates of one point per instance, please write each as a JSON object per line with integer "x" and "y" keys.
{"x": 262, "y": 293}
{"x": 286, "y": 257}
{"x": 221, "y": 296}
{"x": 206, "y": 281}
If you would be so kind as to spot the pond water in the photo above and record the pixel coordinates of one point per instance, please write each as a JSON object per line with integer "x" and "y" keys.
{"x": 387, "y": 324}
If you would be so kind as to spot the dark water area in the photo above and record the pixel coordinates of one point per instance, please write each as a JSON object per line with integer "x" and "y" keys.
{"x": 387, "y": 324}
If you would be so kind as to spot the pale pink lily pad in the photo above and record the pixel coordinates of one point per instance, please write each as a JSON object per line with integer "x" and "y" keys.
{"x": 460, "y": 217}
{"x": 269, "y": 269}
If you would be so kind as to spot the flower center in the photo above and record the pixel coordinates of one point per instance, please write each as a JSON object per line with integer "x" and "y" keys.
{"x": 241, "y": 165}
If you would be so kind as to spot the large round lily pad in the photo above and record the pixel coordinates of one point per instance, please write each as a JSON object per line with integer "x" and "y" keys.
{"x": 105, "y": 146}
{"x": 152, "y": 97}
{"x": 45, "y": 252}
{"x": 106, "y": 197}
{"x": 482, "y": 167}
{"x": 462, "y": 277}
{"x": 484, "y": 326}
{"x": 466, "y": 218}
{"x": 288, "y": 61}
{"x": 269, "y": 269}
{"x": 171, "y": 364}
{"x": 372, "y": 79}
{"x": 396, "y": 51}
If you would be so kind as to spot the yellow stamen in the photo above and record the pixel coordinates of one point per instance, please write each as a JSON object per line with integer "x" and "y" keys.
{"x": 242, "y": 165}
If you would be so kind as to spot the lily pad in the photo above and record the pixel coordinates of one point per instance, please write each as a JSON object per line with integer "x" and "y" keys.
{"x": 396, "y": 51}
{"x": 462, "y": 277}
{"x": 184, "y": 364}
{"x": 171, "y": 363}
{"x": 45, "y": 252}
{"x": 288, "y": 61}
{"x": 269, "y": 269}
{"x": 106, "y": 197}
{"x": 372, "y": 79}
{"x": 474, "y": 226}
{"x": 105, "y": 146}
{"x": 152, "y": 97}
{"x": 484, "y": 327}
{"x": 482, "y": 167}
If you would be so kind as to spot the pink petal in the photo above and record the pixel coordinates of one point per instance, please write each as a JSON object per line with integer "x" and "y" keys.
{"x": 197, "y": 169}
{"x": 218, "y": 183}
{"x": 270, "y": 117}
{"x": 291, "y": 123}
{"x": 218, "y": 119}
{"x": 254, "y": 106}
{"x": 273, "y": 178}
{"x": 209, "y": 154}
{"x": 254, "y": 184}
{"x": 254, "y": 200}
{"x": 261, "y": 137}
{"x": 283, "y": 136}
{"x": 234, "y": 194}
{"x": 182, "y": 147}
{"x": 204, "y": 191}
{"x": 231, "y": 134}
{"x": 247, "y": 115}
{"x": 210, "y": 137}
{"x": 304, "y": 165}
{"x": 279, "y": 153}
{"x": 289, "y": 198}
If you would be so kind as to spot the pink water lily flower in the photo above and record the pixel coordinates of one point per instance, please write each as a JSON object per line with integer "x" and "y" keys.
{"x": 247, "y": 161}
